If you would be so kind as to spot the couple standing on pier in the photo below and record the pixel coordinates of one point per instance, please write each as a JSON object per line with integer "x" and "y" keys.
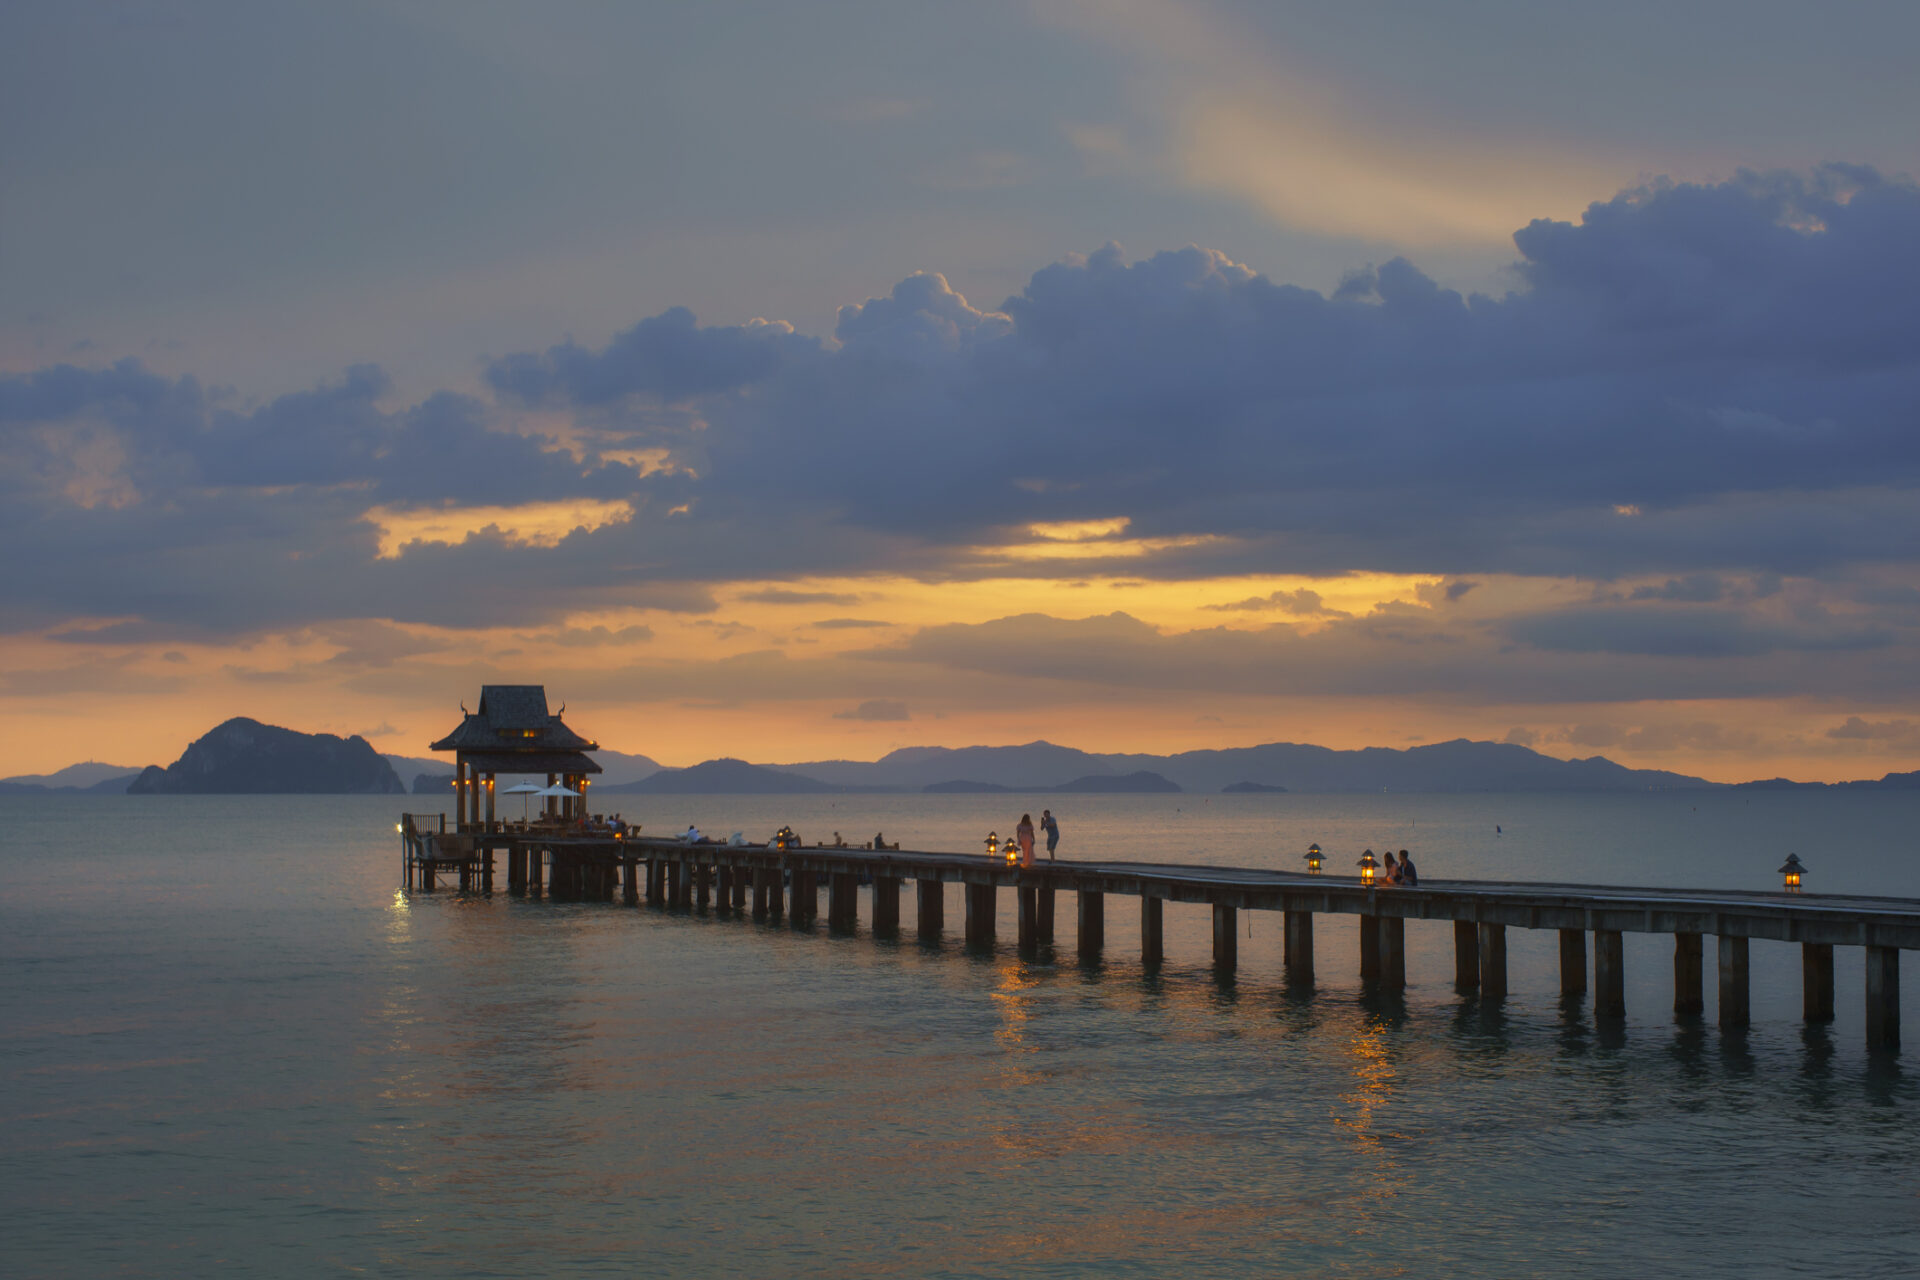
{"x": 1024, "y": 835}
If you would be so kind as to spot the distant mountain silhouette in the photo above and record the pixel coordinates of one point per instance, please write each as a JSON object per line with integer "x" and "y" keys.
{"x": 90, "y": 778}
{"x": 1141, "y": 783}
{"x": 726, "y": 777}
{"x": 618, "y": 768}
{"x": 1444, "y": 766}
{"x": 1891, "y": 782}
{"x": 245, "y": 757}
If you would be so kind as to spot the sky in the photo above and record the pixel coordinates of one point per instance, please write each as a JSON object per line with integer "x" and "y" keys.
{"x": 803, "y": 382}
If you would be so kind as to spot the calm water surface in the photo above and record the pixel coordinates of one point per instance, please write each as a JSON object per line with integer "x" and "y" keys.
{"x": 232, "y": 1047}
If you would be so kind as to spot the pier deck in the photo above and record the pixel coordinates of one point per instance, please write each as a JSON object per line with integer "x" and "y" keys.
{"x": 677, "y": 874}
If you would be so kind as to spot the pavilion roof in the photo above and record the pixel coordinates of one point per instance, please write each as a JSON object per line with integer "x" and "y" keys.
{"x": 513, "y": 718}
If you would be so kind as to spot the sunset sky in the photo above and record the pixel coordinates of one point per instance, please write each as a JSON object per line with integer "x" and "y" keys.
{"x": 807, "y": 381}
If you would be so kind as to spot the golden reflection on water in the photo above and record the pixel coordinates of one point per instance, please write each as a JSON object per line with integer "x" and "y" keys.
{"x": 1013, "y": 996}
{"x": 1372, "y": 1091}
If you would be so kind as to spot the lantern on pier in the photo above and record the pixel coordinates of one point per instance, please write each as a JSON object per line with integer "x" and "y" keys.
{"x": 1313, "y": 859}
{"x": 1369, "y": 867}
{"x": 993, "y": 844}
{"x": 1791, "y": 872}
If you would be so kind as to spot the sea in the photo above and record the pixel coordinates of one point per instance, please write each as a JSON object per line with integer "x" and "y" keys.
{"x": 234, "y": 1046}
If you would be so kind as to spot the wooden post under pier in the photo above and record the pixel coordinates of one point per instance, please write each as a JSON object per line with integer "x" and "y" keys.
{"x": 1026, "y": 919}
{"x": 843, "y": 899}
{"x": 1466, "y": 954}
{"x": 1093, "y": 924}
{"x": 1369, "y": 948}
{"x": 1298, "y": 944}
{"x": 1153, "y": 949}
{"x": 1883, "y": 997}
{"x": 1226, "y": 939}
{"x": 931, "y": 899}
{"x": 981, "y": 908}
{"x": 1573, "y": 962}
{"x": 1609, "y": 975}
{"x": 1816, "y": 981}
{"x": 886, "y": 906}
{"x": 1736, "y": 1008}
{"x": 1493, "y": 960}
{"x": 1689, "y": 982}
{"x": 1045, "y": 922}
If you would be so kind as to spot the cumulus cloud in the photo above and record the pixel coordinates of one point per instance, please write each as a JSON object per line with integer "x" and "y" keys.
{"x": 1902, "y": 733}
{"x": 1301, "y": 603}
{"x": 1737, "y": 363}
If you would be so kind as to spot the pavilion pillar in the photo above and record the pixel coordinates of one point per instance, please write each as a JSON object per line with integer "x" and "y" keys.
{"x": 1689, "y": 987}
{"x": 1816, "y": 981}
{"x": 1883, "y": 997}
{"x": 1573, "y": 962}
{"x": 489, "y": 786}
{"x": 459, "y": 792}
{"x": 1493, "y": 960}
{"x": 931, "y": 898}
{"x": 1298, "y": 947}
{"x": 1093, "y": 924}
{"x": 550, "y": 804}
{"x": 1609, "y": 975}
{"x": 1736, "y": 1008}
{"x": 1153, "y": 948}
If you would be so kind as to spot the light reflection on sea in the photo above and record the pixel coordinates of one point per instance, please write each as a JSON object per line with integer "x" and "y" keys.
{"x": 231, "y": 1046}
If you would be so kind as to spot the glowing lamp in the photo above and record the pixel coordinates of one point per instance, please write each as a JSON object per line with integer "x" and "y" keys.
{"x": 1313, "y": 859}
{"x": 1791, "y": 871}
{"x": 993, "y": 844}
{"x": 401, "y": 828}
{"x": 1369, "y": 867}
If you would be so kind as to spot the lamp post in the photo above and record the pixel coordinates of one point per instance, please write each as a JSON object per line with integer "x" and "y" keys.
{"x": 1368, "y": 866}
{"x": 1791, "y": 871}
{"x": 993, "y": 844}
{"x": 1313, "y": 859}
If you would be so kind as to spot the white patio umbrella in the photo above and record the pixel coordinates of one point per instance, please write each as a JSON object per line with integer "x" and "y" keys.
{"x": 523, "y": 790}
{"x": 557, "y": 789}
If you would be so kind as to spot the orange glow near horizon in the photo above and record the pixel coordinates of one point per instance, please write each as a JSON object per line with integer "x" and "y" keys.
{"x": 783, "y": 672}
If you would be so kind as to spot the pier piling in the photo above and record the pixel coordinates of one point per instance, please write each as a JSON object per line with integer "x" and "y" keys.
{"x": 1369, "y": 948}
{"x": 1816, "y": 981}
{"x": 1027, "y": 919}
{"x": 1392, "y": 940}
{"x": 1297, "y": 943}
{"x": 982, "y": 905}
{"x": 1226, "y": 939}
{"x": 1573, "y": 962}
{"x": 843, "y": 898}
{"x": 1689, "y": 982}
{"x": 931, "y": 898}
{"x": 1735, "y": 1006}
{"x": 1883, "y": 997}
{"x": 1609, "y": 975}
{"x": 1152, "y": 943}
{"x": 1493, "y": 960}
{"x": 886, "y": 906}
{"x": 1045, "y": 904}
{"x": 1093, "y": 924}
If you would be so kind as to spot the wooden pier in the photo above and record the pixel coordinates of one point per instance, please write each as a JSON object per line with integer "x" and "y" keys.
{"x": 1590, "y": 919}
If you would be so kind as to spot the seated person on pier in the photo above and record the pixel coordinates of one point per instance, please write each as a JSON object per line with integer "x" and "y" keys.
{"x": 1408, "y": 875}
{"x": 692, "y": 835}
{"x": 1390, "y": 873}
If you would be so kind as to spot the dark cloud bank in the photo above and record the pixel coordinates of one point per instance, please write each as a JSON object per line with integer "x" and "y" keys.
{"x": 1714, "y": 385}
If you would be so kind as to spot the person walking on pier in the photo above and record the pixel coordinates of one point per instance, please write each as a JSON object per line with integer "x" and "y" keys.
{"x": 1052, "y": 828}
{"x": 1024, "y": 834}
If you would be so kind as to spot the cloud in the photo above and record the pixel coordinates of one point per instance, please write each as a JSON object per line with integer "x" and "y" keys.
{"x": 1521, "y": 737}
{"x": 876, "y": 709}
{"x": 844, "y": 624}
{"x": 781, "y": 595}
{"x": 1902, "y": 734}
{"x": 1301, "y": 603}
{"x": 1738, "y": 362}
